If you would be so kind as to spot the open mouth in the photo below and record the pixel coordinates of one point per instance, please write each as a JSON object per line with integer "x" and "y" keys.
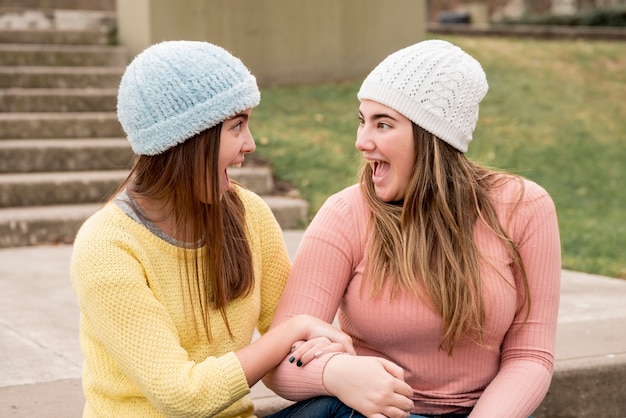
{"x": 227, "y": 182}
{"x": 380, "y": 169}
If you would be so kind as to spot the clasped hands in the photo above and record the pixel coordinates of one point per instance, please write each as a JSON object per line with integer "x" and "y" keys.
{"x": 371, "y": 385}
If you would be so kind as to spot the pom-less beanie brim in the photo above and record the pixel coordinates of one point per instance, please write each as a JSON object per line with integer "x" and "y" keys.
{"x": 156, "y": 138}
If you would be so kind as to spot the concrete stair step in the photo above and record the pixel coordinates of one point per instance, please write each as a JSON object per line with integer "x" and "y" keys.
{"x": 75, "y": 154}
{"x": 62, "y": 55}
{"x": 37, "y": 225}
{"x": 87, "y": 154}
{"x": 60, "y": 77}
{"x": 60, "y": 4}
{"x": 62, "y": 188}
{"x": 46, "y": 17}
{"x": 58, "y": 100}
{"x": 42, "y": 224}
{"x": 55, "y": 36}
{"x": 59, "y": 125}
{"x": 257, "y": 179}
{"x": 291, "y": 213}
{"x": 69, "y": 187}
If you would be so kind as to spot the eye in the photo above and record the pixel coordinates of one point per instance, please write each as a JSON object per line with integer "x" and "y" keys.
{"x": 383, "y": 125}
{"x": 238, "y": 125}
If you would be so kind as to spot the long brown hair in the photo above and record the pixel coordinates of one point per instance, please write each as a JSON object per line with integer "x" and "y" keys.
{"x": 427, "y": 243}
{"x": 178, "y": 179}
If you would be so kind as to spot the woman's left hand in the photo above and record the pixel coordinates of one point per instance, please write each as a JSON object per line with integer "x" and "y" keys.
{"x": 306, "y": 351}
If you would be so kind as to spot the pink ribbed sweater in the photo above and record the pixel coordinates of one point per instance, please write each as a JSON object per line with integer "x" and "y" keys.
{"x": 509, "y": 378}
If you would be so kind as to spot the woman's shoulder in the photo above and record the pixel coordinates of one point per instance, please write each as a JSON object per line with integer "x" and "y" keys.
{"x": 516, "y": 189}
{"x": 350, "y": 196}
{"x": 110, "y": 223}
{"x": 344, "y": 208}
{"x": 108, "y": 217}
{"x": 520, "y": 199}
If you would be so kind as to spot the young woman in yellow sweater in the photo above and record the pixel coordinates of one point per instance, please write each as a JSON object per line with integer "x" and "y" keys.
{"x": 176, "y": 271}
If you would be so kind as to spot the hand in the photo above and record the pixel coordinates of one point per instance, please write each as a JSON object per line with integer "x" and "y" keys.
{"x": 373, "y": 386}
{"x": 305, "y": 351}
{"x": 315, "y": 328}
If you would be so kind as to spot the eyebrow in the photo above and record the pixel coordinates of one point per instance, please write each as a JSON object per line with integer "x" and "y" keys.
{"x": 378, "y": 116}
{"x": 240, "y": 115}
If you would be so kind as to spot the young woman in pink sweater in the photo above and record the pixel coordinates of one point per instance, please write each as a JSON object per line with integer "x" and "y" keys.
{"x": 444, "y": 273}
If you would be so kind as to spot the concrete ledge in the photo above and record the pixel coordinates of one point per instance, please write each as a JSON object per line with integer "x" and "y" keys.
{"x": 532, "y": 31}
{"x": 265, "y": 401}
{"x": 60, "y": 398}
{"x": 40, "y": 365}
{"x": 587, "y": 387}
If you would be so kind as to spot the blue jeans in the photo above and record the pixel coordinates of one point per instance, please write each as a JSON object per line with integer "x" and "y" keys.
{"x": 331, "y": 407}
{"x": 442, "y": 416}
{"x": 320, "y": 407}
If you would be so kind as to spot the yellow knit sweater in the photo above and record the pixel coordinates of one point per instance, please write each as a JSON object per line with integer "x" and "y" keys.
{"x": 143, "y": 356}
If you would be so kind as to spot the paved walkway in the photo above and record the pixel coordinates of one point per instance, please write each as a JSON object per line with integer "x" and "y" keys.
{"x": 40, "y": 358}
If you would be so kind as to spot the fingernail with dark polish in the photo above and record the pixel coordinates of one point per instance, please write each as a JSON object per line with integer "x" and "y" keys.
{"x": 299, "y": 363}
{"x": 292, "y": 359}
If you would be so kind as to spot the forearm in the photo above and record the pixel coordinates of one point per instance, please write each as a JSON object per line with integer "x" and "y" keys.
{"x": 269, "y": 350}
{"x": 298, "y": 383}
{"x": 527, "y": 380}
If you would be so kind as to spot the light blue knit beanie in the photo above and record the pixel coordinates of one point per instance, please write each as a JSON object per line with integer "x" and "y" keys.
{"x": 174, "y": 90}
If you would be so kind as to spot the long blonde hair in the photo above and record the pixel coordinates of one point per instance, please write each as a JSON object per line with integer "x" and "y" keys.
{"x": 222, "y": 270}
{"x": 427, "y": 242}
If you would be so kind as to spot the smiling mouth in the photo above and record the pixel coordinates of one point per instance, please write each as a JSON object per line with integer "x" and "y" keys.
{"x": 236, "y": 165}
{"x": 379, "y": 168}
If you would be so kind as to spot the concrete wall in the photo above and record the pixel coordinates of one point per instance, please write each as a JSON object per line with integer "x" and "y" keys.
{"x": 281, "y": 41}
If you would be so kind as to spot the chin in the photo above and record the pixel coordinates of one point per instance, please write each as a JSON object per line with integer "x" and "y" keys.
{"x": 384, "y": 198}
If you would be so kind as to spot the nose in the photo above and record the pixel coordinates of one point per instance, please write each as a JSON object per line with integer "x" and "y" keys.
{"x": 248, "y": 145}
{"x": 363, "y": 140}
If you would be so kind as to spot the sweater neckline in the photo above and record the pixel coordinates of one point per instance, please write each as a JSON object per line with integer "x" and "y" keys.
{"x": 131, "y": 208}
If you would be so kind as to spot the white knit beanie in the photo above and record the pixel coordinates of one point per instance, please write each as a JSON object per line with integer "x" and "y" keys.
{"x": 176, "y": 89}
{"x": 433, "y": 83}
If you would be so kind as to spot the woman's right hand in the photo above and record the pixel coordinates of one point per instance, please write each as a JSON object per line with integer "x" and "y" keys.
{"x": 373, "y": 386}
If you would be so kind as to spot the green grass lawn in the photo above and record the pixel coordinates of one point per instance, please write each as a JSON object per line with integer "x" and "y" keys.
{"x": 555, "y": 113}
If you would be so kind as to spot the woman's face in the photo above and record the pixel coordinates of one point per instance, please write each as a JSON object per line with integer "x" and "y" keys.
{"x": 385, "y": 138}
{"x": 235, "y": 141}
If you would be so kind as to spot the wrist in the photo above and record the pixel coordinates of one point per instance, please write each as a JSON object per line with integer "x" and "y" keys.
{"x": 331, "y": 372}
{"x": 297, "y": 328}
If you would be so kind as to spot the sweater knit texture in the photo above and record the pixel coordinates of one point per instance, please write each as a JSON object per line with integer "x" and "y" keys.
{"x": 143, "y": 355}
{"x": 506, "y": 378}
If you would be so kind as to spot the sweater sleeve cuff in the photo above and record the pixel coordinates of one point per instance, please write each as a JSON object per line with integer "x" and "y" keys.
{"x": 232, "y": 368}
{"x": 326, "y": 358}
